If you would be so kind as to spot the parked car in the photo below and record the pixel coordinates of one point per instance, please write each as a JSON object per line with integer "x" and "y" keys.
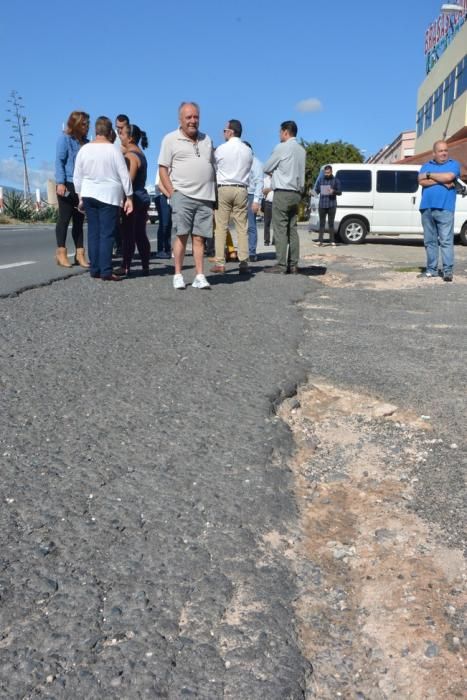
{"x": 153, "y": 215}
{"x": 380, "y": 200}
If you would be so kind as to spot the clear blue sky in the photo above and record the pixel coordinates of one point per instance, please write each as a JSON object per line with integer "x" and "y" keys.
{"x": 362, "y": 62}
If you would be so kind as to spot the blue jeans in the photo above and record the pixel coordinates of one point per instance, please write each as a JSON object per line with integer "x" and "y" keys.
{"x": 164, "y": 232}
{"x": 438, "y": 232}
{"x": 252, "y": 231}
{"x": 102, "y": 221}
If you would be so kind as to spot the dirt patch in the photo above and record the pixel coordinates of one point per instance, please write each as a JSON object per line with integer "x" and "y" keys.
{"x": 388, "y": 279}
{"x": 382, "y": 600}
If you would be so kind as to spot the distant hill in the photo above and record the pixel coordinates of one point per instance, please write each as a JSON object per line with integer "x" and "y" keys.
{"x": 7, "y": 188}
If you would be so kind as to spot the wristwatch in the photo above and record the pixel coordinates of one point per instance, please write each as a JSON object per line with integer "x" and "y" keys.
{"x": 428, "y": 175}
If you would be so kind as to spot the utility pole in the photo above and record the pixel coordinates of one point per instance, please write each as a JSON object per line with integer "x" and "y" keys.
{"x": 20, "y": 136}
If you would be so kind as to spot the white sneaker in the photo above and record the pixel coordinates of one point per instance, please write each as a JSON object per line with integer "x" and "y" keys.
{"x": 179, "y": 282}
{"x": 200, "y": 282}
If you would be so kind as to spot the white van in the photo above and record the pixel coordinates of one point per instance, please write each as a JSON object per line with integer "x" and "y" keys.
{"x": 380, "y": 199}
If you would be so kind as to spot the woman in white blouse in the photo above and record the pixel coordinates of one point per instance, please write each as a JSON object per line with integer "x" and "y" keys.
{"x": 102, "y": 181}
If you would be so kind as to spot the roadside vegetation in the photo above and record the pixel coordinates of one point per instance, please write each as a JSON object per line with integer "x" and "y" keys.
{"x": 319, "y": 154}
{"x": 17, "y": 208}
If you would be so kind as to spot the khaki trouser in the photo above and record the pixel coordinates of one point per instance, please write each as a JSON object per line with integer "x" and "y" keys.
{"x": 232, "y": 204}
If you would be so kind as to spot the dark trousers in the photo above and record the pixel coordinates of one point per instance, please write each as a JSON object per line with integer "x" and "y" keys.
{"x": 118, "y": 232}
{"x": 102, "y": 220}
{"x": 330, "y": 212}
{"x": 67, "y": 212}
{"x": 267, "y": 221}
{"x": 134, "y": 235}
{"x": 164, "y": 232}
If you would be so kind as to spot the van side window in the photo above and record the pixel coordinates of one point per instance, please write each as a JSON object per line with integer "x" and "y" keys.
{"x": 397, "y": 181}
{"x": 355, "y": 180}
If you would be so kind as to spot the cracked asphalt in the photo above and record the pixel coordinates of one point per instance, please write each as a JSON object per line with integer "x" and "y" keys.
{"x": 143, "y": 469}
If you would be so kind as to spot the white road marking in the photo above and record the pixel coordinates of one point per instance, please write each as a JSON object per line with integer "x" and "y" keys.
{"x": 18, "y": 264}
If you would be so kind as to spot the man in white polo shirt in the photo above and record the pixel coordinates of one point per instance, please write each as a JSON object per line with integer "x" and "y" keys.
{"x": 233, "y": 165}
{"x": 186, "y": 171}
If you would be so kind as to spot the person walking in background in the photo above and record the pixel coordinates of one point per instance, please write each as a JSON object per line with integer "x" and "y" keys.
{"x": 268, "y": 195}
{"x": 329, "y": 188}
{"x": 233, "y": 164}
{"x": 437, "y": 207}
{"x": 68, "y": 145}
{"x": 101, "y": 179}
{"x": 187, "y": 175}
{"x": 134, "y": 224}
{"x": 287, "y": 168}
{"x": 255, "y": 195}
{"x": 164, "y": 232}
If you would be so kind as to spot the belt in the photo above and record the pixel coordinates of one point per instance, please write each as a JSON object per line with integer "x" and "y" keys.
{"x": 225, "y": 185}
{"x": 279, "y": 189}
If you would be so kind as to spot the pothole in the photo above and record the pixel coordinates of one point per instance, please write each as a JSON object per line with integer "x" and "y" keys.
{"x": 382, "y": 600}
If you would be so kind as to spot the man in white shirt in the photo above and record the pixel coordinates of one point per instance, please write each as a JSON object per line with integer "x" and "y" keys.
{"x": 186, "y": 171}
{"x": 121, "y": 120}
{"x": 233, "y": 164}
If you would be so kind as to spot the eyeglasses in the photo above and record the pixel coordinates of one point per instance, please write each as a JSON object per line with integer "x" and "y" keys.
{"x": 226, "y": 130}
{"x": 195, "y": 146}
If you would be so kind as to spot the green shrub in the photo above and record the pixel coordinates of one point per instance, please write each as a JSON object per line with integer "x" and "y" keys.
{"x": 17, "y": 207}
{"x": 47, "y": 215}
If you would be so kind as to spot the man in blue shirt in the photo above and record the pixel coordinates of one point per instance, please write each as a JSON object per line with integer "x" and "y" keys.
{"x": 437, "y": 178}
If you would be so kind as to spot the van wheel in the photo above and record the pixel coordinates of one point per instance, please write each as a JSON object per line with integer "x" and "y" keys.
{"x": 353, "y": 231}
{"x": 463, "y": 234}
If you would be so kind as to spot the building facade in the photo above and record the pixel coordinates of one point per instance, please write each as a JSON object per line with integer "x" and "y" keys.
{"x": 402, "y": 147}
{"x": 442, "y": 97}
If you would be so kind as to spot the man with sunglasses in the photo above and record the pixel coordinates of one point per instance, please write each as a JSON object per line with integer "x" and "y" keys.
{"x": 186, "y": 171}
{"x": 233, "y": 164}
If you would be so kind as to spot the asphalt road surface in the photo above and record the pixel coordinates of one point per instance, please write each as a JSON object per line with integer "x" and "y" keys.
{"x": 27, "y": 257}
{"x": 144, "y": 472}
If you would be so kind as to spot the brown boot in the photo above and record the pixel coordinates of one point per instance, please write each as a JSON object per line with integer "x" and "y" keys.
{"x": 62, "y": 258}
{"x": 80, "y": 258}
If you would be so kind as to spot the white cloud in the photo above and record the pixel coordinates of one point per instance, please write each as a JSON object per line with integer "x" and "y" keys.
{"x": 11, "y": 173}
{"x": 312, "y": 104}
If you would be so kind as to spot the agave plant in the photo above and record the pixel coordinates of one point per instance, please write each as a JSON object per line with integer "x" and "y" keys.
{"x": 16, "y": 206}
{"x": 46, "y": 214}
